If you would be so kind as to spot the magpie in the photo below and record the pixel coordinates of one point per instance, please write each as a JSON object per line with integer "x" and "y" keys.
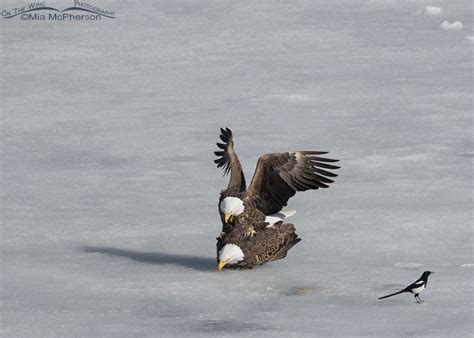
{"x": 414, "y": 288}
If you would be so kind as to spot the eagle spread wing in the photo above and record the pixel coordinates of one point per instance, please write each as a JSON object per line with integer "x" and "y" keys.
{"x": 228, "y": 160}
{"x": 279, "y": 176}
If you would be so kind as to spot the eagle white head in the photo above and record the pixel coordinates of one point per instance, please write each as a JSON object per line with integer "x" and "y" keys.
{"x": 230, "y": 254}
{"x": 231, "y": 206}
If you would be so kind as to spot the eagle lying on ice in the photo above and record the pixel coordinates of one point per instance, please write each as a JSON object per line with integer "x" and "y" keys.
{"x": 253, "y": 231}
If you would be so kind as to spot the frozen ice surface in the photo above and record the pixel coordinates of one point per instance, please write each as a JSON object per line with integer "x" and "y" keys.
{"x": 109, "y": 192}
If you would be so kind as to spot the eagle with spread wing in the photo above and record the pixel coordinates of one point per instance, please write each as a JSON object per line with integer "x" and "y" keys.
{"x": 252, "y": 217}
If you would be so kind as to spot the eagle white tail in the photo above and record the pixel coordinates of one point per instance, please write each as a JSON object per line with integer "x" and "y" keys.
{"x": 279, "y": 216}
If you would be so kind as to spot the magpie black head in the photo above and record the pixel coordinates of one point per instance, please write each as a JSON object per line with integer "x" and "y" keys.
{"x": 427, "y": 273}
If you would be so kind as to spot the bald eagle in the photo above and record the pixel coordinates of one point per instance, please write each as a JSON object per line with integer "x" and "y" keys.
{"x": 252, "y": 218}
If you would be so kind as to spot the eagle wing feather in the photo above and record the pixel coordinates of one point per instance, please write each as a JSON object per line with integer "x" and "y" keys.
{"x": 279, "y": 176}
{"x": 228, "y": 160}
{"x": 272, "y": 244}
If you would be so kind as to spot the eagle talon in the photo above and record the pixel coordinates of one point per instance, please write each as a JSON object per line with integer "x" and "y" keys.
{"x": 251, "y": 232}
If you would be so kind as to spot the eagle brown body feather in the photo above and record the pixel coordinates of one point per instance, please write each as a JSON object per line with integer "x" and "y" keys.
{"x": 277, "y": 178}
{"x": 268, "y": 244}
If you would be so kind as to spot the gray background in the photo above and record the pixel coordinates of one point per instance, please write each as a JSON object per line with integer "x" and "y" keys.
{"x": 109, "y": 192}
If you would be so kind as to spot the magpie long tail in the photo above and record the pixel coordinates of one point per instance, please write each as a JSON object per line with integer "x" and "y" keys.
{"x": 394, "y": 294}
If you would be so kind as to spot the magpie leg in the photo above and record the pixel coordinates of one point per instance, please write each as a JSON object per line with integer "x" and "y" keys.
{"x": 416, "y": 297}
{"x": 421, "y": 301}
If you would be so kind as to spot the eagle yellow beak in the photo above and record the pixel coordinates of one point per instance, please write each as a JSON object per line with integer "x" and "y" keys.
{"x": 221, "y": 265}
{"x": 228, "y": 217}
